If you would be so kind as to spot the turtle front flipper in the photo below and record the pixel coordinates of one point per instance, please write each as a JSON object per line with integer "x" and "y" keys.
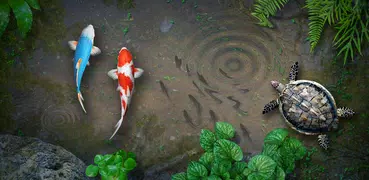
{"x": 270, "y": 106}
{"x": 345, "y": 112}
{"x": 294, "y": 72}
{"x": 323, "y": 141}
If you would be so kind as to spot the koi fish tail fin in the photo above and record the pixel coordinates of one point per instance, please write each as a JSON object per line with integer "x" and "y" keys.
{"x": 117, "y": 126}
{"x": 80, "y": 99}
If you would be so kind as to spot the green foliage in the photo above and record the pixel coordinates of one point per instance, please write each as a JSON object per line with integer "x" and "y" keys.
{"x": 350, "y": 19}
{"x": 22, "y": 12}
{"x": 112, "y": 166}
{"x": 263, "y": 9}
{"x": 223, "y": 158}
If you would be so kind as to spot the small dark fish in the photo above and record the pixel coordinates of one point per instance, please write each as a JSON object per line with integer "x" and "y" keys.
{"x": 213, "y": 116}
{"x": 245, "y": 132}
{"x": 197, "y": 104}
{"x": 202, "y": 79}
{"x": 178, "y": 62}
{"x": 188, "y": 70}
{"x": 210, "y": 93}
{"x": 237, "y": 105}
{"x": 224, "y": 74}
{"x": 188, "y": 119}
{"x": 244, "y": 91}
{"x": 164, "y": 89}
{"x": 193, "y": 82}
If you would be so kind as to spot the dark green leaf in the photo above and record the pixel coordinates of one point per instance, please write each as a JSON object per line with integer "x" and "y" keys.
{"x": 92, "y": 171}
{"x": 239, "y": 167}
{"x": 213, "y": 177}
{"x": 196, "y": 170}
{"x": 98, "y": 158}
{"x": 130, "y": 164}
{"x": 108, "y": 158}
{"x": 262, "y": 167}
{"x": 207, "y": 159}
{"x": 101, "y": 164}
{"x": 23, "y": 14}
{"x": 279, "y": 173}
{"x": 276, "y": 136}
{"x": 273, "y": 151}
{"x": 295, "y": 147}
{"x": 179, "y": 176}
{"x": 220, "y": 167}
{"x": 123, "y": 154}
{"x": 239, "y": 177}
{"x": 122, "y": 175}
{"x": 288, "y": 163}
{"x": 207, "y": 140}
{"x": 226, "y": 176}
{"x": 224, "y": 130}
{"x": 246, "y": 172}
{"x": 112, "y": 170}
{"x": 131, "y": 155}
{"x": 227, "y": 150}
{"x": 4, "y": 16}
{"x": 103, "y": 171}
{"x": 118, "y": 159}
{"x": 34, "y": 4}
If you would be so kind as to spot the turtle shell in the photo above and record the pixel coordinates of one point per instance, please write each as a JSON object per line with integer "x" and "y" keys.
{"x": 308, "y": 107}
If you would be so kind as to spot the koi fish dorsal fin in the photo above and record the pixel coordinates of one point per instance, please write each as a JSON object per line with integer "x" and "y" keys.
{"x": 113, "y": 74}
{"x": 137, "y": 72}
{"x": 95, "y": 51}
{"x": 73, "y": 45}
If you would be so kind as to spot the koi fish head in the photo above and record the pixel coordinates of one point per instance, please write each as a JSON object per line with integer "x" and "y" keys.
{"x": 124, "y": 57}
{"x": 89, "y": 32}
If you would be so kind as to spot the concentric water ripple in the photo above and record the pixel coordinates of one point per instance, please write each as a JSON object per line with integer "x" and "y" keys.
{"x": 231, "y": 50}
{"x": 62, "y": 121}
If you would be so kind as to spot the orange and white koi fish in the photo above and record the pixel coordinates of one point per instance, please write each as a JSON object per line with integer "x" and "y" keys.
{"x": 125, "y": 74}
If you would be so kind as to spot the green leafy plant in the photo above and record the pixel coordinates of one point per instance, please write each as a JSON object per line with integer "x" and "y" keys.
{"x": 263, "y": 9}
{"x": 223, "y": 159}
{"x": 22, "y": 12}
{"x": 350, "y": 19}
{"x": 112, "y": 166}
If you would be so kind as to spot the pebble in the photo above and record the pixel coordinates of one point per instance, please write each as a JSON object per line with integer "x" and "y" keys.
{"x": 172, "y": 138}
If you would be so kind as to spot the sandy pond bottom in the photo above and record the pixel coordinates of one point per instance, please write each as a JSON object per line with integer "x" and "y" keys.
{"x": 222, "y": 72}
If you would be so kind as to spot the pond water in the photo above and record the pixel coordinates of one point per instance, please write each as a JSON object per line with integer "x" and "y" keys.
{"x": 214, "y": 61}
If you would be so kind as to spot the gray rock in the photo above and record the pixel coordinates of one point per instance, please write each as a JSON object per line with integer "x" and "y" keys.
{"x": 31, "y": 158}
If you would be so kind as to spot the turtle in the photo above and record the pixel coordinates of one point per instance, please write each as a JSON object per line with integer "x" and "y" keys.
{"x": 307, "y": 107}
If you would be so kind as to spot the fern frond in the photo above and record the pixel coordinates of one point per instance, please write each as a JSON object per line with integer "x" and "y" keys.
{"x": 263, "y": 9}
{"x": 317, "y": 21}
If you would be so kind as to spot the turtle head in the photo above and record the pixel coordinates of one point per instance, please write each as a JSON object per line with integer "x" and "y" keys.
{"x": 277, "y": 85}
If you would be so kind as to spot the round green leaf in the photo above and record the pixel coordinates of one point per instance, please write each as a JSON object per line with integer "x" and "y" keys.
{"x": 206, "y": 159}
{"x": 196, "y": 170}
{"x": 207, "y": 140}
{"x": 34, "y": 4}
{"x": 130, "y": 164}
{"x": 213, "y": 177}
{"x": 108, "y": 158}
{"x": 239, "y": 167}
{"x": 239, "y": 177}
{"x": 262, "y": 167}
{"x": 98, "y": 158}
{"x": 131, "y": 155}
{"x": 246, "y": 172}
{"x": 103, "y": 171}
{"x": 273, "y": 151}
{"x": 92, "y": 171}
{"x": 4, "y": 16}
{"x": 279, "y": 173}
{"x": 276, "y": 136}
{"x": 179, "y": 176}
{"x": 226, "y": 176}
{"x": 123, "y": 154}
{"x": 227, "y": 150}
{"x": 118, "y": 159}
{"x": 112, "y": 170}
{"x": 295, "y": 147}
{"x": 224, "y": 130}
{"x": 101, "y": 164}
{"x": 122, "y": 175}
{"x": 220, "y": 167}
{"x": 23, "y": 14}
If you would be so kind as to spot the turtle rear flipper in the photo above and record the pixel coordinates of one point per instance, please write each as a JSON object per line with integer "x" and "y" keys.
{"x": 323, "y": 141}
{"x": 270, "y": 106}
{"x": 345, "y": 112}
{"x": 294, "y": 72}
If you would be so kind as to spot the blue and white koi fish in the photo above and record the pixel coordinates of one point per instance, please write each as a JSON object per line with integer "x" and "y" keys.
{"x": 83, "y": 49}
